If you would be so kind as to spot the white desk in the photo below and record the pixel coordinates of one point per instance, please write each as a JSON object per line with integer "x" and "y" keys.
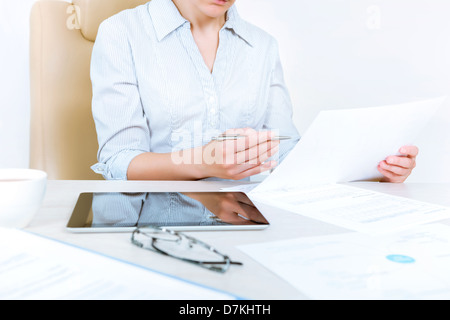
{"x": 250, "y": 281}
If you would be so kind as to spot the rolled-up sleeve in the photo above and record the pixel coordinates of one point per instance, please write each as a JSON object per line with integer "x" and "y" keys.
{"x": 121, "y": 125}
{"x": 280, "y": 111}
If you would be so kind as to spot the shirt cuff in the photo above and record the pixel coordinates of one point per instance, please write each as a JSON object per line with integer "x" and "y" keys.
{"x": 116, "y": 168}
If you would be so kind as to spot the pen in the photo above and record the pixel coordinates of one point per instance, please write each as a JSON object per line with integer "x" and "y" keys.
{"x": 237, "y": 136}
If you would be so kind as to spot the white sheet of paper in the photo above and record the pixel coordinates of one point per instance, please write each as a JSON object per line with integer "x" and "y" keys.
{"x": 32, "y": 267}
{"x": 354, "y": 208}
{"x": 408, "y": 265}
{"x": 347, "y": 145}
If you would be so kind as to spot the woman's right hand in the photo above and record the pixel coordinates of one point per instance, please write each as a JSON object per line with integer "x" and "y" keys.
{"x": 240, "y": 158}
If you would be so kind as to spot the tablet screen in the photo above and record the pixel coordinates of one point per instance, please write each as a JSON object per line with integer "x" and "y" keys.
{"x": 181, "y": 211}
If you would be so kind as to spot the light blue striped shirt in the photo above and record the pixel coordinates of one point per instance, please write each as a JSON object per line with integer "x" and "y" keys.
{"x": 152, "y": 91}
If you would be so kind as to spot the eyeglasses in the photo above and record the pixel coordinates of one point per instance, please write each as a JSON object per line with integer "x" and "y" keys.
{"x": 180, "y": 246}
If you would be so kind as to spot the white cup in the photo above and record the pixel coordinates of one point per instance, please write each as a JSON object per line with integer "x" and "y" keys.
{"x": 21, "y": 195}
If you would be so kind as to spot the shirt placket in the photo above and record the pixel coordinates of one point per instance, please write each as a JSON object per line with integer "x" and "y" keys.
{"x": 207, "y": 79}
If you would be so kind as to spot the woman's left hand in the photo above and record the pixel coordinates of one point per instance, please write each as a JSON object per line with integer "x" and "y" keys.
{"x": 397, "y": 169}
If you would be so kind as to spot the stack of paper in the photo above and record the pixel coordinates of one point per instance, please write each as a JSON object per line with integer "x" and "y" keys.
{"x": 344, "y": 146}
{"x": 355, "y": 208}
{"x": 410, "y": 261}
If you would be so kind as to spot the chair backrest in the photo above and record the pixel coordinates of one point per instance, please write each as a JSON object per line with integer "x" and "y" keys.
{"x": 63, "y": 138}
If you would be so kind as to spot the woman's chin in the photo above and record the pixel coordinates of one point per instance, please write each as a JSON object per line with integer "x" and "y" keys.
{"x": 217, "y": 8}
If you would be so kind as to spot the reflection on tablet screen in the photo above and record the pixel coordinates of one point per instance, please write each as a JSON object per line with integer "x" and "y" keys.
{"x": 170, "y": 209}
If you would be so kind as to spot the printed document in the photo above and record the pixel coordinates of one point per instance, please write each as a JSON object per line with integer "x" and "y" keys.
{"x": 355, "y": 208}
{"x": 413, "y": 264}
{"x": 347, "y": 145}
{"x": 343, "y": 146}
{"x": 36, "y": 268}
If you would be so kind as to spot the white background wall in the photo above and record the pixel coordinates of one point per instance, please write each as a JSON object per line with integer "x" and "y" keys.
{"x": 336, "y": 54}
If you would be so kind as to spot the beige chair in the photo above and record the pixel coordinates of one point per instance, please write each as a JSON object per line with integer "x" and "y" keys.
{"x": 63, "y": 136}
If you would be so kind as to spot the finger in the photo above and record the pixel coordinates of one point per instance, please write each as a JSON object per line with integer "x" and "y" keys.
{"x": 236, "y": 219}
{"x": 239, "y": 143}
{"x": 252, "y": 139}
{"x": 256, "y": 170}
{"x": 238, "y": 169}
{"x": 264, "y": 157}
{"x": 239, "y": 208}
{"x": 237, "y": 197}
{"x": 409, "y": 151}
{"x": 253, "y": 155}
{"x": 242, "y": 197}
{"x": 232, "y": 217}
{"x": 395, "y": 169}
{"x": 234, "y": 151}
{"x": 242, "y": 167}
{"x": 405, "y": 162}
{"x": 256, "y": 139}
{"x": 251, "y": 213}
{"x": 391, "y": 177}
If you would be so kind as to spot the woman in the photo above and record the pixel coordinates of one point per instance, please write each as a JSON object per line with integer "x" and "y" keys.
{"x": 169, "y": 76}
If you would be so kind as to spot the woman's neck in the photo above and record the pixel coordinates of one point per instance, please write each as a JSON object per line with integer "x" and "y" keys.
{"x": 197, "y": 18}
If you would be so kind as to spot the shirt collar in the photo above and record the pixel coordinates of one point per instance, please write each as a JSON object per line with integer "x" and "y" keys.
{"x": 239, "y": 26}
{"x": 166, "y": 19}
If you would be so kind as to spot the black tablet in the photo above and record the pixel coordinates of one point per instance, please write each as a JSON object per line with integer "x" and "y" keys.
{"x": 187, "y": 211}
